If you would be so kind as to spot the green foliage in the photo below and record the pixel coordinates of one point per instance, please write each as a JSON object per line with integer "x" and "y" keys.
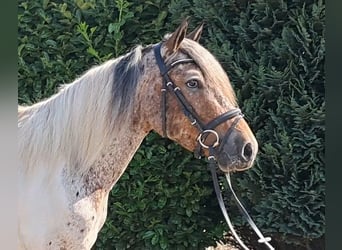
{"x": 55, "y": 36}
{"x": 274, "y": 54}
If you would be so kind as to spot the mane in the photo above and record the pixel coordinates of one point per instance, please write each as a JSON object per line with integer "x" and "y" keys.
{"x": 210, "y": 67}
{"x": 74, "y": 125}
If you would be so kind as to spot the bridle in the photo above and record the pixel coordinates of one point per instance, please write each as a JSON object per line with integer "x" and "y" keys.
{"x": 204, "y": 131}
{"x": 188, "y": 110}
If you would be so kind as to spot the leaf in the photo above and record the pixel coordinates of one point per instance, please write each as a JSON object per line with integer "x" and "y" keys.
{"x": 188, "y": 212}
{"x": 114, "y": 27}
{"x": 162, "y": 202}
{"x": 155, "y": 239}
{"x": 163, "y": 243}
{"x": 93, "y": 52}
{"x": 148, "y": 234}
{"x": 45, "y": 3}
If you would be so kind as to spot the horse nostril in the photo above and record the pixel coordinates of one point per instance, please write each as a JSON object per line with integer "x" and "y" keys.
{"x": 247, "y": 152}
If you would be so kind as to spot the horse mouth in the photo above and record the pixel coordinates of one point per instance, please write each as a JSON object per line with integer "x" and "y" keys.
{"x": 236, "y": 152}
{"x": 230, "y": 164}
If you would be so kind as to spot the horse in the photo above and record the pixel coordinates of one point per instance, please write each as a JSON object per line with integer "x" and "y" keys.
{"x": 74, "y": 146}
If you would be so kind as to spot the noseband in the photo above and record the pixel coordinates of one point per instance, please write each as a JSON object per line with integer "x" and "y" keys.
{"x": 204, "y": 131}
{"x": 188, "y": 110}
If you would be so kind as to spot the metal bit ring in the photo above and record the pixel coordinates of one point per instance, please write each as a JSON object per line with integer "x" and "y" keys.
{"x": 208, "y": 131}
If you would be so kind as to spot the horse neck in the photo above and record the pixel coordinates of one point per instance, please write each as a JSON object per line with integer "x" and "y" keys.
{"x": 146, "y": 116}
{"x": 112, "y": 163}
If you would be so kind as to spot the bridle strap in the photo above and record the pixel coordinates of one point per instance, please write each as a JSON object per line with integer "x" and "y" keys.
{"x": 224, "y": 117}
{"x": 204, "y": 131}
{"x": 160, "y": 62}
{"x": 168, "y": 85}
{"x": 186, "y": 107}
{"x": 212, "y": 168}
{"x": 262, "y": 239}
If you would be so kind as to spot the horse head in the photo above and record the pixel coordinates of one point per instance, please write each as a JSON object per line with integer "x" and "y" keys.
{"x": 190, "y": 100}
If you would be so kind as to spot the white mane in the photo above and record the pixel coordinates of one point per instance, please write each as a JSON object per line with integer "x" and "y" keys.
{"x": 74, "y": 125}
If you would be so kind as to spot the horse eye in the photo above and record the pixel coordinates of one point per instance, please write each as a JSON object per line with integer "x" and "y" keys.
{"x": 192, "y": 84}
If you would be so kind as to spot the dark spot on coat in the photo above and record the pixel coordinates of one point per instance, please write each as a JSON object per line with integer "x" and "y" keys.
{"x": 82, "y": 230}
{"x": 77, "y": 194}
{"x": 50, "y": 243}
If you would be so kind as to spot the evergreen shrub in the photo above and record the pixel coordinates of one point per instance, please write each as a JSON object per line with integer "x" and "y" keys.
{"x": 274, "y": 54}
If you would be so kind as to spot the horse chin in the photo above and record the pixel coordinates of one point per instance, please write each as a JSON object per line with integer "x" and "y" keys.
{"x": 232, "y": 169}
{"x": 233, "y": 166}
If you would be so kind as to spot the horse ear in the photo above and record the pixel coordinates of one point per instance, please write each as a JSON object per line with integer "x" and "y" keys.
{"x": 196, "y": 33}
{"x": 173, "y": 42}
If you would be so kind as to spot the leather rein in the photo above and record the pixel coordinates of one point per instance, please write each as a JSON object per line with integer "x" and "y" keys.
{"x": 204, "y": 131}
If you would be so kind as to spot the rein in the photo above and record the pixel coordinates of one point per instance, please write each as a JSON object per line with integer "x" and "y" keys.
{"x": 204, "y": 131}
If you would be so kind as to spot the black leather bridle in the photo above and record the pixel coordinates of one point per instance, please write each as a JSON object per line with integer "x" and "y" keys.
{"x": 204, "y": 131}
{"x": 188, "y": 110}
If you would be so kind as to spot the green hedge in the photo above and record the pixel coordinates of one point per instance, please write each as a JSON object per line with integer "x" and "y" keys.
{"x": 64, "y": 38}
{"x": 274, "y": 54}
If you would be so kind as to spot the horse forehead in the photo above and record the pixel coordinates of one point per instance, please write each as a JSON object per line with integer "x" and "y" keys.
{"x": 187, "y": 70}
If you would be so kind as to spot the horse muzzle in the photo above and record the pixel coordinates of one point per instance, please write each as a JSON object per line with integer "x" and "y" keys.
{"x": 236, "y": 152}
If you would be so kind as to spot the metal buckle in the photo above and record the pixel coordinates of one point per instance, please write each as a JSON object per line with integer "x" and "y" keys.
{"x": 215, "y": 144}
